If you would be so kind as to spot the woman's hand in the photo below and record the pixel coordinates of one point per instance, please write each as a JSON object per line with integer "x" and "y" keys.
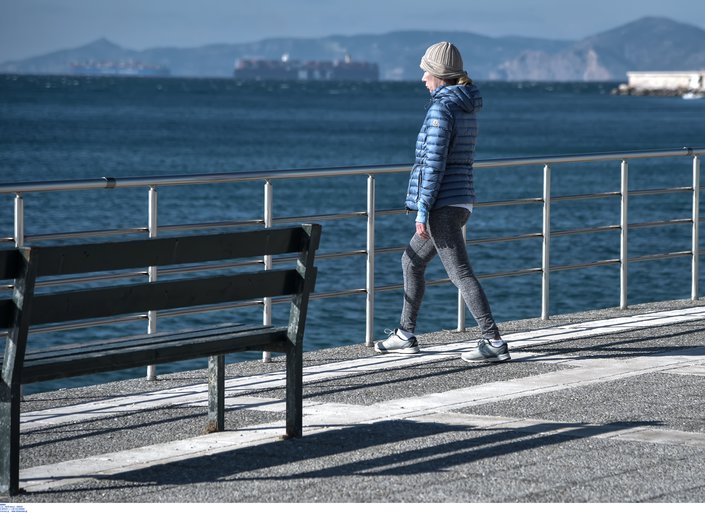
{"x": 421, "y": 231}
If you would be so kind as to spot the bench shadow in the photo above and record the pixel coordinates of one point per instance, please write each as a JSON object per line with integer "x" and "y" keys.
{"x": 417, "y": 448}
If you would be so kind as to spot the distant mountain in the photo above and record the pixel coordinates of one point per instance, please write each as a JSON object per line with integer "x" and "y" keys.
{"x": 646, "y": 44}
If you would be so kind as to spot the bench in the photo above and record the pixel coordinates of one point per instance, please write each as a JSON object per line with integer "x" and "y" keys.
{"x": 30, "y": 306}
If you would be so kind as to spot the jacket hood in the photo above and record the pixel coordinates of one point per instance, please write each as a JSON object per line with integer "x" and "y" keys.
{"x": 467, "y": 97}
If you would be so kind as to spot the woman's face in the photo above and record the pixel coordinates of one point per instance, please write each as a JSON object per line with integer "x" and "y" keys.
{"x": 432, "y": 83}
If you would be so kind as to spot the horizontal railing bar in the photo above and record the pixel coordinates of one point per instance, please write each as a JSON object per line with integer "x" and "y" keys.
{"x": 612, "y": 194}
{"x": 210, "y": 226}
{"x": 584, "y": 265}
{"x": 480, "y": 204}
{"x": 256, "y": 302}
{"x": 509, "y": 203}
{"x": 390, "y": 249}
{"x": 280, "y": 260}
{"x": 86, "y": 234}
{"x": 508, "y": 238}
{"x": 192, "y": 227}
{"x": 74, "y": 281}
{"x": 86, "y": 324}
{"x": 132, "y": 231}
{"x": 338, "y": 293}
{"x": 580, "y": 231}
{"x": 392, "y": 212}
{"x": 318, "y": 217}
{"x": 612, "y": 261}
{"x": 196, "y": 179}
{"x": 654, "y": 224}
{"x": 580, "y": 197}
{"x": 245, "y": 176}
{"x": 89, "y": 279}
{"x": 387, "y": 288}
{"x": 207, "y": 309}
{"x": 655, "y": 192}
{"x": 616, "y": 227}
{"x": 399, "y": 286}
{"x": 590, "y": 157}
{"x": 185, "y": 227}
{"x": 208, "y": 267}
{"x": 661, "y": 256}
{"x": 506, "y": 274}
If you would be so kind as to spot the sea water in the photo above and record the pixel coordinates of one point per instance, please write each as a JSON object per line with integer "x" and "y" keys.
{"x": 72, "y": 128}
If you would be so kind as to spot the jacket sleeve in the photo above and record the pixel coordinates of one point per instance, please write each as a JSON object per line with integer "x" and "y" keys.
{"x": 438, "y": 127}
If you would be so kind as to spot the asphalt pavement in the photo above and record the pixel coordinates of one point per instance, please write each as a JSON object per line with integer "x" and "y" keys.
{"x": 594, "y": 407}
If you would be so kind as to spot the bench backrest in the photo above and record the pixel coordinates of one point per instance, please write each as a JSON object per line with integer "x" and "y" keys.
{"x": 25, "y": 265}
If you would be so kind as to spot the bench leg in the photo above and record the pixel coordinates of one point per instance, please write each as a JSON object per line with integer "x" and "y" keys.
{"x": 294, "y": 391}
{"x": 9, "y": 440}
{"x": 216, "y": 394}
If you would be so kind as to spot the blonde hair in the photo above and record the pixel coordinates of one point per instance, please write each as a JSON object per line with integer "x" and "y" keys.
{"x": 464, "y": 80}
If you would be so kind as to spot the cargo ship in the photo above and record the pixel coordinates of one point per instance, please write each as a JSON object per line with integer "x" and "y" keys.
{"x": 119, "y": 67}
{"x": 287, "y": 69}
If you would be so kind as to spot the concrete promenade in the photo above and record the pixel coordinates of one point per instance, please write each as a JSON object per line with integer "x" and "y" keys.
{"x": 602, "y": 406}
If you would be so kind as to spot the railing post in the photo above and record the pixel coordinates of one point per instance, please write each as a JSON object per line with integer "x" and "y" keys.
{"x": 694, "y": 289}
{"x": 152, "y": 271}
{"x": 19, "y": 236}
{"x": 370, "y": 272}
{"x": 461, "y": 302}
{"x": 267, "y": 216}
{"x": 19, "y": 220}
{"x": 624, "y": 237}
{"x": 546, "y": 248}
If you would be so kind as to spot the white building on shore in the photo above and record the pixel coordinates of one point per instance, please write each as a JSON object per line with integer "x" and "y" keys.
{"x": 663, "y": 82}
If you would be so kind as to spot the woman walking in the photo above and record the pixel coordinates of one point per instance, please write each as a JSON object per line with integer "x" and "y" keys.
{"x": 441, "y": 192}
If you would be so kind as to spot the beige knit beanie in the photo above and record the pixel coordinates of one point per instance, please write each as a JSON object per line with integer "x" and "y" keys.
{"x": 443, "y": 61}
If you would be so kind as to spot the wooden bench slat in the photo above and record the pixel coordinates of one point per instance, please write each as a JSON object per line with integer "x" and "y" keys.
{"x": 138, "y": 339}
{"x": 105, "y": 358}
{"x": 47, "y": 353}
{"x": 164, "y": 295}
{"x": 86, "y": 258}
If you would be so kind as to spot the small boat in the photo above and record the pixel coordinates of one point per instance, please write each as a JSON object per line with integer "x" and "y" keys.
{"x": 692, "y": 95}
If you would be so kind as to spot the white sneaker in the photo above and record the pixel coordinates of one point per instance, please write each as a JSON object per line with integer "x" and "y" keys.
{"x": 486, "y": 352}
{"x": 397, "y": 344}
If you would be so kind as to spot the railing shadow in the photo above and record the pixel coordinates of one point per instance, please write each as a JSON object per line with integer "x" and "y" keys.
{"x": 622, "y": 345}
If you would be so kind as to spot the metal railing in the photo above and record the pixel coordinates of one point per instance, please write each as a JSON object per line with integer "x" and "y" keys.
{"x": 153, "y": 183}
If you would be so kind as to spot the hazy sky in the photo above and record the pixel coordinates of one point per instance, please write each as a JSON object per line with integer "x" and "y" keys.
{"x": 34, "y": 27}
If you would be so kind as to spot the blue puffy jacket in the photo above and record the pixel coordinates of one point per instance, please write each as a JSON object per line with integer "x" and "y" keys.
{"x": 445, "y": 150}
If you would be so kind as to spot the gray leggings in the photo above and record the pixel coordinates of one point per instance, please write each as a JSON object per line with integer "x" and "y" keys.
{"x": 444, "y": 226}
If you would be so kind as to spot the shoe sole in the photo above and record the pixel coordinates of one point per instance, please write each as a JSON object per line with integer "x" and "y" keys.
{"x": 495, "y": 359}
{"x": 406, "y": 350}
